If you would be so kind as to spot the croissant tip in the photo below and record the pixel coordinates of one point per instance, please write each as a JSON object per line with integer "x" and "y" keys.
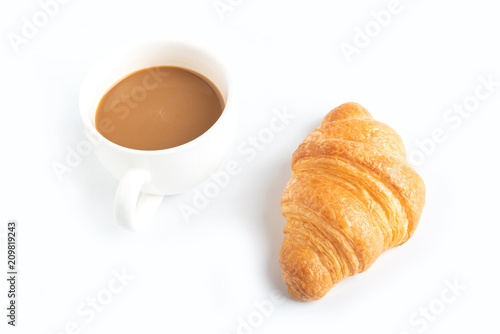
{"x": 348, "y": 110}
{"x": 298, "y": 290}
{"x": 306, "y": 277}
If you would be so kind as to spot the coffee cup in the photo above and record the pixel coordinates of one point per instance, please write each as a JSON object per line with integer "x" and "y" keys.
{"x": 146, "y": 176}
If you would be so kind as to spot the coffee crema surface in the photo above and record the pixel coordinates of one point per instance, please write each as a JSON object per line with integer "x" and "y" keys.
{"x": 158, "y": 108}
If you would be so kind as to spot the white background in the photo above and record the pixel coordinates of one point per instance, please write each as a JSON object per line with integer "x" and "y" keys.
{"x": 204, "y": 276}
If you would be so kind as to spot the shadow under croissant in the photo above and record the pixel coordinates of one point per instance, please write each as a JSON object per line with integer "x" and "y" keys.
{"x": 274, "y": 222}
{"x": 272, "y": 219}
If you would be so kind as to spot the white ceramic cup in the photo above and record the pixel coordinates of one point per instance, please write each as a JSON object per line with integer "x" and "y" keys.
{"x": 146, "y": 176}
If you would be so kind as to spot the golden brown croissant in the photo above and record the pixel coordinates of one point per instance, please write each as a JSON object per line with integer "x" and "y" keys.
{"x": 351, "y": 197}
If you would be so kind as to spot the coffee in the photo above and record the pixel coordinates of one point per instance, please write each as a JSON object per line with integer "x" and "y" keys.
{"x": 158, "y": 108}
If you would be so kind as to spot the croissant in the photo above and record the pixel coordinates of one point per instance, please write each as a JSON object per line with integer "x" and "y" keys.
{"x": 352, "y": 196}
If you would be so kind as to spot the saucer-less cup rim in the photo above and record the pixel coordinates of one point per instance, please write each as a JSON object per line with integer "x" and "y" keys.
{"x": 226, "y": 95}
{"x": 132, "y": 207}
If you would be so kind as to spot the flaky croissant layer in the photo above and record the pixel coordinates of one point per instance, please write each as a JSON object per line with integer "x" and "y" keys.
{"x": 351, "y": 197}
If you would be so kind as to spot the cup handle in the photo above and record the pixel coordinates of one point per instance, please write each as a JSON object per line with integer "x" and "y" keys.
{"x": 132, "y": 208}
